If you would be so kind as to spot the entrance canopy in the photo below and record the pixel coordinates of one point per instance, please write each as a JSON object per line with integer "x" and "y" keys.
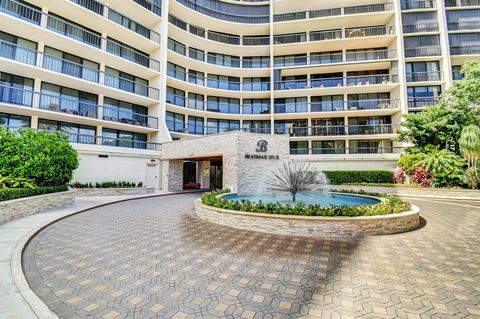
{"x": 246, "y": 157}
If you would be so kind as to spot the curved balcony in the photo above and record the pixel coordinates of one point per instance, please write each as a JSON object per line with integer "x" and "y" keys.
{"x": 150, "y": 5}
{"x": 78, "y": 33}
{"x": 234, "y": 16}
{"x": 336, "y": 82}
{"x": 61, "y": 104}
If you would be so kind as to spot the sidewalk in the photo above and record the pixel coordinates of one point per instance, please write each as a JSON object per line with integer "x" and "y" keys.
{"x": 16, "y": 298}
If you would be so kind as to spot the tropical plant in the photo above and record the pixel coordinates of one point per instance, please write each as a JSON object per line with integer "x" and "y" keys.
{"x": 47, "y": 158}
{"x": 292, "y": 177}
{"x": 441, "y": 125}
{"x": 16, "y": 182}
{"x": 400, "y": 177}
{"x": 469, "y": 143}
{"x": 445, "y": 166}
{"x": 421, "y": 177}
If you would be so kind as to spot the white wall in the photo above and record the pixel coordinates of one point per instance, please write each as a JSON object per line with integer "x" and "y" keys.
{"x": 114, "y": 168}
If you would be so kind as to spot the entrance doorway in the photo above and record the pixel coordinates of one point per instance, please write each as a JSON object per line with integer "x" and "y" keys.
{"x": 216, "y": 174}
{"x": 190, "y": 175}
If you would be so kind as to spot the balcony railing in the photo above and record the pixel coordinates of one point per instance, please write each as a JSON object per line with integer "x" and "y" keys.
{"x": 462, "y": 3}
{"x": 331, "y": 58}
{"x": 376, "y": 79}
{"x": 418, "y": 4}
{"x": 149, "y": 5}
{"x": 16, "y": 96}
{"x": 423, "y": 51}
{"x": 222, "y": 15}
{"x": 465, "y": 50}
{"x": 424, "y": 76}
{"x": 464, "y": 25}
{"x": 341, "y": 130}
{"x": 421, "y": 27}
{"x": 78, "y": 33}
{"x": 199, "y": 129}
{"x": 14, "y": 52}
{"x": 351, "y": 150}
{"x": 422, "y": 102}
{"x": 219, "y": 107}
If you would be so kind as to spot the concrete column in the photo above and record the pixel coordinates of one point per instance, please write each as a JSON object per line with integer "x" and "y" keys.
{"x": 99, "y": 133}
{"x": 204, "y": 174}
{"x": 37, "y": 87}
{"x": 103, "y": 43}
{"x": 172, "y": 175}
{"x": 40, "y": 49}
{"x": 44, "y": 18}
{"x": 100, "y": 103}
{"x": 34, "y": 122}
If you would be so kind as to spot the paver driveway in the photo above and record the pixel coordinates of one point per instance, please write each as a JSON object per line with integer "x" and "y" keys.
{"x": 154, "y": 258}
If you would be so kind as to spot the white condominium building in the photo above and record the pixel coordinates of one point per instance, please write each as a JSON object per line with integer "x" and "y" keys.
{"x": 120, "y": 77}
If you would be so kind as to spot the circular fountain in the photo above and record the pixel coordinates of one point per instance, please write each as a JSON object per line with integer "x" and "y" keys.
{"x": 296, "y": 200}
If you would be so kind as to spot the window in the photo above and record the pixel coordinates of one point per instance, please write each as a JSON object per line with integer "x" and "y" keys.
{"x": 91, "y": 5}
{"x": 175, "y": 122}
{"x": 292, "y": 127}
{"x": 419, "y": 22}
{"x": 421, "y": 96}
{"x": 196, "y": 77}
{"x": 327, "y": 103}
{"x": 127, "y": 52}
{"x": 125, "y": 112}
{"x": 73, "y": 30}
{"x": 219, "y": 126}
{"x": 176, "y": 71}
{"x": 326, "y": 57}
{"x": 256, "y": 106}
{"x": 299, "y": 148}
{"x": 70, "y": 64}
{"x": 177, "y": 22}
{"x": 369, "y": 101}
{"x": 289, "y": 16}
{"x": 326, "y": 80}
{"x": 131, "y": 25}
{"x": 196, "y": 101}
{"x": 291, "y": 105}
{"x": 224, "y": 37}
{"x": 196, "y": 54}
{"x": 256, "y": 84}
{"x": 367, "y": 54}
{"x": 263, "y": 127}
{"x": 195, "y": 125}
{"x": 256, "y": 62}
{"x": 18, "y": 49}
{"x": 463, "y": 19}
{"x": 126, "y": 82}
{"x": 425, "y": 45}
{"x": 175, "y": 96}
{"x": 76, "y": 133}
{"x": 197, "y": 31}
{"x": 16, "y": 89}
{"x": 223, "y": 82}
{"x": 464, "y": 43}
{"x": 124, "y": 139}
{"x": 290, "y": 60}
{"x": 328, "y": 147}
{"x": 62, "y": 99}
{"x": 423, "y": 71}
{"x": 14, "y": 122}
{"x": 176, "y": 46}
{"x": 223, "y": 105}
{"x": 223, "y": 59}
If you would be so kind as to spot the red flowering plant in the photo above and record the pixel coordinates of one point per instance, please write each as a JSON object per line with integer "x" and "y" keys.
{"x": 422, "y": 177}
{"x": 400, "y": 177}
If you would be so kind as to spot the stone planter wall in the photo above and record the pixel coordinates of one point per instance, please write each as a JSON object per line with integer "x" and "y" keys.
{"x": 89, "y": 192}
{"x": 310, "y": 225}
{"x": 16, "y": 208}
{"x": 414, "y": 191}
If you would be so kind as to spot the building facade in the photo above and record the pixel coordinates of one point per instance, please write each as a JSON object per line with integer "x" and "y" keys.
{"x": 122, "y": 77}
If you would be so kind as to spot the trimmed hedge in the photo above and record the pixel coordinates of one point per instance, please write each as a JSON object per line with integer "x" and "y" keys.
{"x": 347, "y": 177}
{"x": 14, "y": 193}
{"x": 390, "y": 205}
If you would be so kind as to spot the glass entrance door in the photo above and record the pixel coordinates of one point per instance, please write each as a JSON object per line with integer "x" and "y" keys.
{"x": 216, "y": 174}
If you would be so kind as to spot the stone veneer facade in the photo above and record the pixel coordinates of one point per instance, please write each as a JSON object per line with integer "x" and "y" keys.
{"x": 310, "y": 225}
{"x": 16, "y": 208}
{"x": 240, "y": 174}
{"x": 89, "y": 192}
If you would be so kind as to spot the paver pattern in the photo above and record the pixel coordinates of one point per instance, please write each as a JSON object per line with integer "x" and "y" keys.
{"x": 153, "y": 258}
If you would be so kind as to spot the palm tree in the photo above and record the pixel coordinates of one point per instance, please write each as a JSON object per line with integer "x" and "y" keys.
{"x": 469, "y": 143}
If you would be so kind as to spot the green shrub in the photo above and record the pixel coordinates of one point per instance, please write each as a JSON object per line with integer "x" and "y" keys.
{"x": 346, "y": 177}
{"x": 15, "y": 182}
{"x": 46, "y": 158}
{"x": 13, "y": 193}
{"x": 390, "y": 205}
{"x": 120, "y": 184}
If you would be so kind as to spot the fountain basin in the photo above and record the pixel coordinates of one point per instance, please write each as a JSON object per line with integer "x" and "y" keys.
{"x": 311, "y": 226}
{"x": 324, "y": 199}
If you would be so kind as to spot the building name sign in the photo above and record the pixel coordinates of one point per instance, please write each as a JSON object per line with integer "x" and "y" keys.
{"x": 262, "y": 147}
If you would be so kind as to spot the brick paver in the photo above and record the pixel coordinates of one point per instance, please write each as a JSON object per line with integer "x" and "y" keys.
{"x": 153, "y": 258}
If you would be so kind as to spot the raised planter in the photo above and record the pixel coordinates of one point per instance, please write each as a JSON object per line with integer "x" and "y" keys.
{"x": 16, "y": 208}
{"x": 414, "y": 191}
{"x": 311, "y": 225}
{"x": 89, "y": 192}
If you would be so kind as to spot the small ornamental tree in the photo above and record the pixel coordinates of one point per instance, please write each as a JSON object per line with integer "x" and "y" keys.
{"x": 470, "y": 149}
{"x": 46, "y": 158}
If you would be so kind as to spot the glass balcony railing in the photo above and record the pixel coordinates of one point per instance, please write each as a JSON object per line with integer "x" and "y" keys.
{"x": 350, "y": 150}
{"x": 465, "y": 50}
{"x": 72, "y": 106}
{"x": 130, "y": 86}
{"x": 15, "y": 95}
{"x": 423, "y": 51}
{"x": 341, "y": 130}
{"x": 464, "y": 25}
{"x": 419, "y": 102}
{"x": 150, "y": 5}
{"x": 424, "y": 76}
{"x": 418, "y": 4}
{"x": 220, "y": 107}
{"x": 70, "y": 68}
{"x": 462, "y": 3}
{"x": 421, "y": 27}
{"x": 374, "y": 79}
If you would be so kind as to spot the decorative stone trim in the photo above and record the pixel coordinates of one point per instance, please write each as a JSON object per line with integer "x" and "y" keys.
{"x": 89, "y": 192}
{"x": 20, "y": 207}
{"x": 414, "y": 191}
{"x": 311, "y": 225}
